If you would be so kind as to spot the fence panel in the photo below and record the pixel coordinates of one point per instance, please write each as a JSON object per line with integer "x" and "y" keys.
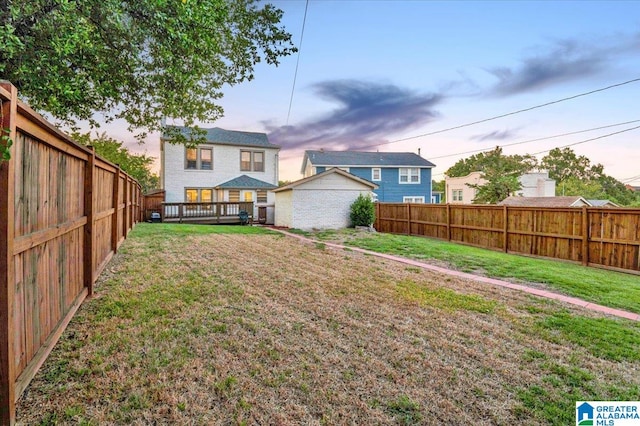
{"x": 602, "y": 237}
{"x": 56, "y": 235}
{"x": 430, "y": 220}
{"x": 614, "y": 238}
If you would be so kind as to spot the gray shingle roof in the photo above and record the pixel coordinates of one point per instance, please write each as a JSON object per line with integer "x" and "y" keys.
{"x": 246, "y": 182}
{"x": 373, "y": 159}
{"x": 233, "y": 137}
{"x": 327, "y": 173}
{"x": 602, "y": 203}
{"x": 566, "y": 201}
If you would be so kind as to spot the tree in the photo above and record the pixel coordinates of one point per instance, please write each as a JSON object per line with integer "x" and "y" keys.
{"x": 500, "y": 171}
{"x": 564, "y": 163}
{"x": 575, "y": 175}
{"x": 137, "y": 166}
{"x": 140, "y": 60}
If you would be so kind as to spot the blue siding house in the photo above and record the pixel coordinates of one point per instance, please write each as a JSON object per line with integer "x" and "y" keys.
{"x": 402, "y": 177}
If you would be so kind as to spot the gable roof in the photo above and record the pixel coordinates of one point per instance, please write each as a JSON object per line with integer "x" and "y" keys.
{"x": 566, "y": 201}
{"x": 245, "y": 182}
{"x": 602, "y": 203}
{"x": 326, "y": 173}
{"x": 361, "y": 158}
{"x": 230, "y": 137}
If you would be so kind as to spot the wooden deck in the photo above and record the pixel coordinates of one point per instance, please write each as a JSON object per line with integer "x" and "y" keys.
{"x": 206, "y": 213}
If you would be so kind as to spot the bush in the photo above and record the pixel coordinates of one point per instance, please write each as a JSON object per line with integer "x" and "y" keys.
{"x": 363, "y": 211}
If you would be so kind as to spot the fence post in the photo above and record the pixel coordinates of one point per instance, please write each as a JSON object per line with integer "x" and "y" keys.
{"x": 408, "y": 218}
{"x": 7, "y": 267}
{"x": 377, "y": 221}
{"x": 116, "y": 204}
{"x": 89, "y": 209}
{"x": 448, "y": 222}
{"x": 505, "y": 237}
{"x": 125, "y": 212}
{"x": 585, "y": 236}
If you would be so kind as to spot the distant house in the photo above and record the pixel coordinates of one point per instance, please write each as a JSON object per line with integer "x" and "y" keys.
{"x": 534, "y": 184}
{"x": 537, "y": 184}
{"x": 437, "y": 197}
{"x": 401, "y": 177}
{"x": 458, "y": 189}
{"x": 566, "y": 201}
{"x": 320, "y": 201}
{"x": 633, "y": 188}
{"x": 231, "y": 166}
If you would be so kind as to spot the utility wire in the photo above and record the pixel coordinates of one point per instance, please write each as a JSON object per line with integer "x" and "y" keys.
{"x": 578, "y": 143}
{"x": 631, "y": 179}
{"x": 602, "y": 89}
{"x": 295, "y": 75}
{"x": 521, "y": 142}
{"x": 535, "y": 140}
{"x": 589, "y": 140}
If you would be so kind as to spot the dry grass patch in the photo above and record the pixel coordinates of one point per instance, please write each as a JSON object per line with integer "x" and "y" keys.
{"x": 263, "y": 329}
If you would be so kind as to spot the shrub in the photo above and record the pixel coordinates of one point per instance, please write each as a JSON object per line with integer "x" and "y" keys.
{"x": 363, "y": 211}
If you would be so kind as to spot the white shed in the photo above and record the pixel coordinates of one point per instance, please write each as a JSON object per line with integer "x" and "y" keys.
{"x": 320, "y": 201}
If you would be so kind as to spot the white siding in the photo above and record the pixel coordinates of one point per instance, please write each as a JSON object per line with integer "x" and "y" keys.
{"x": 537, "y": 185}
{"x": 284, "y": 209}
{"x": 322, "y": 203}
{"x": 322, "y": 209}
{"x": 226, "y": 166}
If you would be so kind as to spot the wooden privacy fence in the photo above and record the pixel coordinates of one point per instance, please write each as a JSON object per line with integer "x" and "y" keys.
{"x": 602, "y": 237}
{"x": 63, "y": 214}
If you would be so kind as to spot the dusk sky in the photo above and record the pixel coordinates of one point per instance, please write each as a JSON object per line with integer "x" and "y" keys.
{"x": 375, "y": 72}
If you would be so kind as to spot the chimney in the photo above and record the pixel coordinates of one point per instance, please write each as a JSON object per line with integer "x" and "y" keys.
{"x": 419, "y": 153}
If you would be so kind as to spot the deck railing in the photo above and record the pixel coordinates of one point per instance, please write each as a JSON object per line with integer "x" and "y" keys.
{"x": 216, "y": 212}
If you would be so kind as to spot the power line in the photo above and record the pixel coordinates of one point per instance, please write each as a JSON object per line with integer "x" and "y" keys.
{"x": 536, "y": 140}
{"x": 602, "y": 89}
{"x": 631, "y": 179}
{"x": 295, "y": 75}
{"x": 589, "y": 140}
{"x": 532, "y": 140}
{"x": 580, "y": 142}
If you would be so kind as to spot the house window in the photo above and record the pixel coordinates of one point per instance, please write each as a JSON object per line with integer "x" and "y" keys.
{"x": 456, "y": 195}
{"x": 192, "y": 158}
{"x": 206, "y": 158}
{"x": 376, "y": 174}
{"x": 234, "y": 195}
{"x": 248, "y": 196}
{"x": 258, "y": 161}
{"x": 252, "y": 161}
{"x": 261, "y": 195}
{"x": 413, "y": 200}
{"x": 199, "y": 158}
{"x": 409, "y": 175}
{"x": 195, "y": 195}
{"x": 206, "y": 195}
{"x": 191, "y": 195}
{"x": 245, "y": 161}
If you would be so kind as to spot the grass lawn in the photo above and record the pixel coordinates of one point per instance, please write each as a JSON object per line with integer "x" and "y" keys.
{"x": 609, "y": 288}
{"x": 236, "y": 325}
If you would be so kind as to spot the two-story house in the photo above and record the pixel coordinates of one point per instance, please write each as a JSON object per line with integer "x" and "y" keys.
{"x": 230, "y": 166}
{"x": 402, "y": 177}
{"x": 533, "y": 184}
